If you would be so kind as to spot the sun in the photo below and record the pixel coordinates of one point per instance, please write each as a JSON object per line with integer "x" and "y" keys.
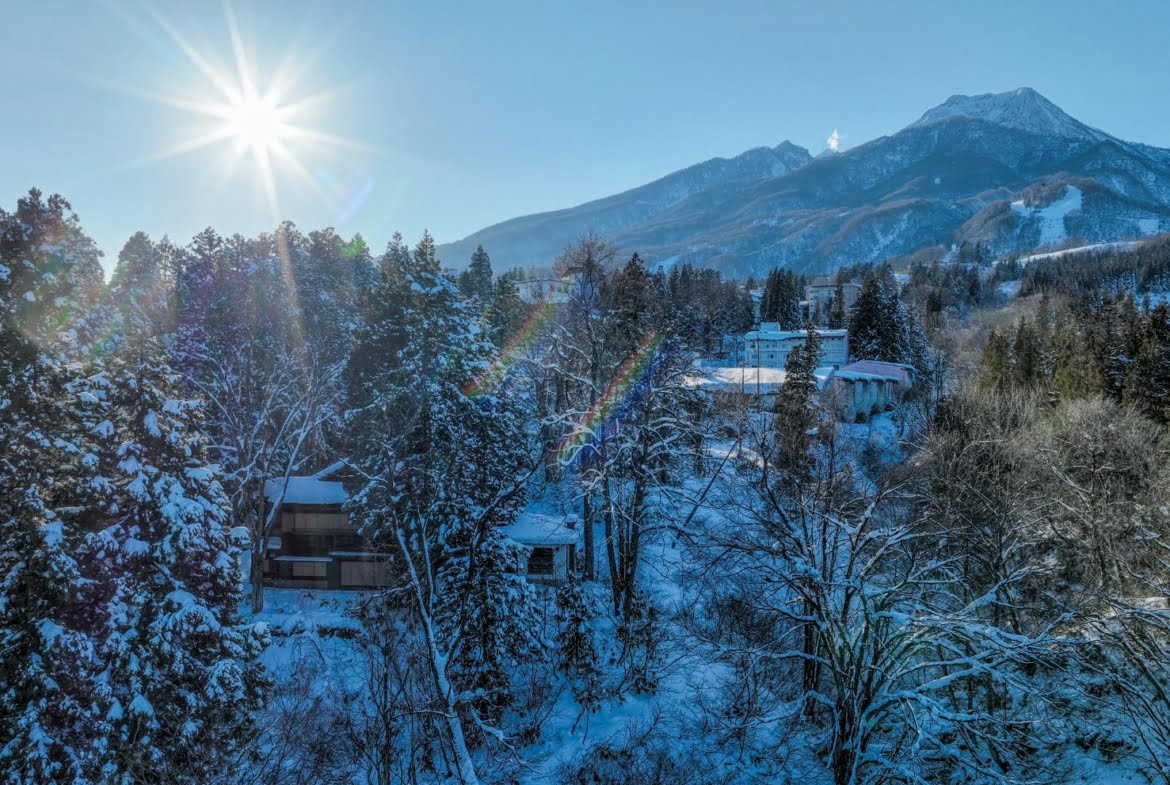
{"x": 265, "y": 122}
{"x": 257, "y": 123}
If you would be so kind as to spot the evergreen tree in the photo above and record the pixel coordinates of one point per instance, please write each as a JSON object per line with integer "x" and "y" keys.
{"x": 1025, "y": 356}
{"x": 443, "y": 461}
{"x": 631, "y": 300}
{"x": 781, "y": 300}
{"x": 475, "y": 283}
{"x": 1147, "y": 385}
{"x": 1075, "y": 371}
{"x": 180, "y": 665}
{"x": 490, "y": 605}
{"x": 507, "y": 311}
{"x": 197, "y": 292}
{"x": 795, "y": 407}
{"x": 1107, "y": 343}
{"x": 138, "y": 291}
{"x": 838, "y": 318}
{"x": 577, "y": 655}
{"x": 881, "y": 325}
{"x": 995, "y": 369}
{"x": 50, "y": 606}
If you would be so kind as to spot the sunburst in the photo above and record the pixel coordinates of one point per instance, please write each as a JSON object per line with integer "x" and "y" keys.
{"x": 266, "y": 124}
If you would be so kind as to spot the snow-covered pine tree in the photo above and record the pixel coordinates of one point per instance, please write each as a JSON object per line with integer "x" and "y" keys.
{"x": 507, "y": 310}
{"x": 877, "y": 321}
{"x": 489, "y": 608}
{"x": 138, "y": 291}
{"x": 475, "y": 283}
{"x": 442, "y": 474}
{"x": 795, "y": 415}
{"x": 196, "y": 290}
{"x": 49, "y": 684}
{"x": 781, "y": 300}
{"x": 180, "y": 664}
{"x": 49, "y": 607}
{"x": 486, "y": 606}
{"x": 577, "y": 656}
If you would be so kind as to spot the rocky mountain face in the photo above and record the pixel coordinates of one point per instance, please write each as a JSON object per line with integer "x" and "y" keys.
{"x": 1010, "y": 170}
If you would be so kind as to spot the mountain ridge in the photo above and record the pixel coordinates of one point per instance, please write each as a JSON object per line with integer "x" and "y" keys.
{"x": 947, "y": 178}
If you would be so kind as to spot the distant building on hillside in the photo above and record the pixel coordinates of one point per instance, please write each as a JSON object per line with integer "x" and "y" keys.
{"x": 821, "y": 290}
{"x": 768, "y": 346}
{"x": 757, "y": 296}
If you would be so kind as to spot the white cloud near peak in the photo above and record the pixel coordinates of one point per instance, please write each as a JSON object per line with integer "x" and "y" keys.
{"x": 834, "y": 141}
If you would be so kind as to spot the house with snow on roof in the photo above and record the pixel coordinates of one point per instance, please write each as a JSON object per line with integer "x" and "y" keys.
{"x": 315, "y": 544}
{"x": 552, "y": 543}
{"x": 738, "y": 387}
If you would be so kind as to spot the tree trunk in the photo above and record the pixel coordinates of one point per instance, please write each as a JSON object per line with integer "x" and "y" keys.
{"x": 590, "y": 552}
{"x": 437, "y": 660}
{"x": 630, "y": 568}
{"x": 259, "y": 551}
{"x": 811, "y": 667}
{"x": 615, "y": 577}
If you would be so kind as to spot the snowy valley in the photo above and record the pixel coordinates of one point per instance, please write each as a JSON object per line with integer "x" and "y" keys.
{"x": 281, "y": 509}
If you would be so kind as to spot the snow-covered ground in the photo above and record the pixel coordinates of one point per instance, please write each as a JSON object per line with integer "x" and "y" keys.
{"x": 1120, "y": 245}
{"x": 1051, "y": 217}
{"x": 318, "y": 630}
{"x": 1010, "y": 288}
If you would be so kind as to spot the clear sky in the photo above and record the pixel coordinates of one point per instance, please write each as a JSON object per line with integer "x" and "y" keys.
{"x": 454, "y": 115}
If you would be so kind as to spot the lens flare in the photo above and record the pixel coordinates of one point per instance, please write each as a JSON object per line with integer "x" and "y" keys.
{"x": 624, "y": 392}
{"x": 536, "y": 326}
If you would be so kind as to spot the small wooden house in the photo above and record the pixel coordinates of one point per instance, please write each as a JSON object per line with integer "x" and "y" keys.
{"x": 552, "y": 543}
{"x": 313, "y": 543}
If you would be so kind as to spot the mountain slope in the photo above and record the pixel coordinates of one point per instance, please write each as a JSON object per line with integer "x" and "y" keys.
{"x": 975, "y": 168}
{"x": 538, "y": 239}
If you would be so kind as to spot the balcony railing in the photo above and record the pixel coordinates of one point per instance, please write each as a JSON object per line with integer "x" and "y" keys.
{"x": 321, "y": 543}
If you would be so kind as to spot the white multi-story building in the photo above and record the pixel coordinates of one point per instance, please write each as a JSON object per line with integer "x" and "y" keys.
{"x": 768, "y": 346}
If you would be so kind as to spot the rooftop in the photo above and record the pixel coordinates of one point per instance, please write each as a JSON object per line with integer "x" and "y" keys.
{"x": 532, "y": 528}
{"x": 750, "y": 380}
{"x": 766, "y": 333}
{"x": 305, "y": 490}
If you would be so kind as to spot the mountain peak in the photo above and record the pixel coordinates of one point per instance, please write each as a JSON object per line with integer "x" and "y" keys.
{"x": 1022, "y": 109}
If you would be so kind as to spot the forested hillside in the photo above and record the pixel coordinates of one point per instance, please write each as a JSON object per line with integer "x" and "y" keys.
{"x": 970, "y": 587}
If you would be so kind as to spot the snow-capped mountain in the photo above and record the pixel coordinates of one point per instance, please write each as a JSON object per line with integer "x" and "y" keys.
{"x": 1023, "y": 109}
{"x": 1011, "y": 170}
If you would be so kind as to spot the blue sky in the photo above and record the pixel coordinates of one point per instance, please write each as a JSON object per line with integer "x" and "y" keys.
{"x": 461, "y": 114}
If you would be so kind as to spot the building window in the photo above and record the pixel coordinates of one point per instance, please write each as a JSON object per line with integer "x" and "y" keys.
{"x": 541, "y": 561}
{"x": 302, "y": 521}
{"x": 308, "y": 569}
{"x": 365, "y": 573}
